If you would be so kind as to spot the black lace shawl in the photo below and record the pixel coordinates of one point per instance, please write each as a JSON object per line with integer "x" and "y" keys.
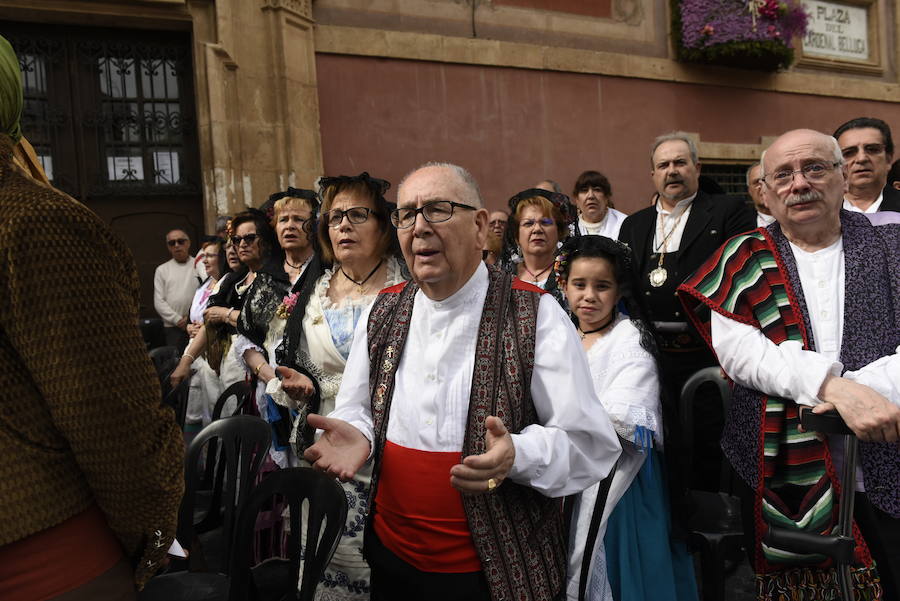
{"x": 269, "y": 288}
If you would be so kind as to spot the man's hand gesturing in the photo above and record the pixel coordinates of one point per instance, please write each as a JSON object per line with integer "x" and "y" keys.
{"x": 485, "y": 472}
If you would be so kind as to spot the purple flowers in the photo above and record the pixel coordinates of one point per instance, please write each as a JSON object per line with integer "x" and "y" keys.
{"x": 707, "y": 23}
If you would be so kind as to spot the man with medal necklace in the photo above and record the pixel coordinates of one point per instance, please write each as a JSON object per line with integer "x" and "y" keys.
{"x": 670, "y": 240}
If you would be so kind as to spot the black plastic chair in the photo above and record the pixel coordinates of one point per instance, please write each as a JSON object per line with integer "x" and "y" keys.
{"x": 241, "y": 445}
{"x": 241, "y": 392}
{"x": 312, "y": 497}
{"x": 153, "y": 333}
{"x": 243, "y": 442}
{"x": 715, "y": 529}
{"x": 177, "y": 399}
{"x": 165, "y": 360}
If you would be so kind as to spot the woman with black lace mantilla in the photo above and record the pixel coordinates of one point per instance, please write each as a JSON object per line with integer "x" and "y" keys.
{"x": 355, "y": 235}
{"x": 282, "y": 284}
{"x": 251, "y": 236}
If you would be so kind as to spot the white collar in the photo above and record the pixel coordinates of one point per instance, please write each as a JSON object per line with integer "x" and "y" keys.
{"x": 681, "y": 204}
{"x": 594, "y": 226}
{"x": 873, "y": 208}
{"x": 476, "y": 284}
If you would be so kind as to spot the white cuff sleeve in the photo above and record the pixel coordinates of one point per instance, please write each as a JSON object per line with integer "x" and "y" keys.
{"x": 754, "y": 361}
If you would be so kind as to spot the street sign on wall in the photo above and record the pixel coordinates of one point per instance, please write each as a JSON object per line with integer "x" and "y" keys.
{"x": 836, "y": 30}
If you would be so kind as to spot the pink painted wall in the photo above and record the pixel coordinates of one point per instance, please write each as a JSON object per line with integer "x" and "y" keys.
{"x": 514, "y": 127}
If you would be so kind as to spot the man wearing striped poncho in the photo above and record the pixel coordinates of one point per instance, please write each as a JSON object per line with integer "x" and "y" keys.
{"x": 807, "y": 312}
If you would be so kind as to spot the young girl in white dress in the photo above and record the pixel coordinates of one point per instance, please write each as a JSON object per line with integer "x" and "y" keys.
{"x": 630, "y": 557}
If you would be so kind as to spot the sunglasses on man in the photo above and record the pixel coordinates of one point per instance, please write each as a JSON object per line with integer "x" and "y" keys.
{"x": 177, "y": 241}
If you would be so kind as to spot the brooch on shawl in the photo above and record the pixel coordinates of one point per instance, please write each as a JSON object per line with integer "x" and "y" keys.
{"x": 286, "y": 307}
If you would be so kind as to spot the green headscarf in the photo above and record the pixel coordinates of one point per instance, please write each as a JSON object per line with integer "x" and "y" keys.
{"x": 11, "y": 94}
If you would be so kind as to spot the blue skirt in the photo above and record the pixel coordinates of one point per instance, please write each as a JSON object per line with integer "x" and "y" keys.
{"x": 642, "y": 563}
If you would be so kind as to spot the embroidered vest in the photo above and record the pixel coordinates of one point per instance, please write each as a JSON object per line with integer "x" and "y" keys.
{"x": 517, "y": 531}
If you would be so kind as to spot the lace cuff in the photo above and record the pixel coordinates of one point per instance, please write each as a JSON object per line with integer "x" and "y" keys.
{"x": 636, "y": 424}
{"x": 275, "y": 390}
{"x": 241, "y": 344}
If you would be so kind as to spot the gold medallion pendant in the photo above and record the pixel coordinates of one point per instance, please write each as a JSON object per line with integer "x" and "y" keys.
{"x": 658, "y": 277}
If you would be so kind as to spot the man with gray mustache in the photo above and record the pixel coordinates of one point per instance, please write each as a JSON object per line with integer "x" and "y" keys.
{"x": 805, "y": 313}
{"x": 670, "y": 240}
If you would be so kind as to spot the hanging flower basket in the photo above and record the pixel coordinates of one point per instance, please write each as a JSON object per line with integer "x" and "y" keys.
{"x": 748, "y": 34}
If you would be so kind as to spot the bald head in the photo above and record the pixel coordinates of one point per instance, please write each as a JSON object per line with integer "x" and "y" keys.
{"x": 442, "y": 253}
{"x": 807, "y": 193}
{"x": 456, "y": 178}
{"x": 801, "y": 141}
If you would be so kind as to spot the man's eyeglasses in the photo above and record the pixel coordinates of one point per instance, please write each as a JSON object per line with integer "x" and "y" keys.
{"x": 355, "y": 215}
{"x": 248, "y": 238}
{"x": 177, "y": 241}
{"x": 543, "y": 221}
{"x": 433, "y": 212}
{"x": 813, "y": 172}
{"x": 497, "y": 223}
{"x": 869, "y": 149}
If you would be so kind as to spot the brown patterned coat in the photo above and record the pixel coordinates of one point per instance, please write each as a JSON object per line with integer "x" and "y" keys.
{"x": 80, "y": 415}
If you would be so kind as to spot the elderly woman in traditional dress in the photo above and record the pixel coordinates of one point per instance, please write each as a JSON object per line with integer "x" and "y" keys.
{"x": 539, "y": 221}
{"x": 288, "y": 275}
{"x": 356, "y": 235}
{"x": 252, "y": 236}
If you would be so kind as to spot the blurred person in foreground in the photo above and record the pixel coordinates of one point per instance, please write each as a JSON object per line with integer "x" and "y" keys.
{"x": 90, "y": 462}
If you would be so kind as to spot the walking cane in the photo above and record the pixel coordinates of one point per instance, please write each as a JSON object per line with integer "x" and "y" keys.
{"x": 839, "y": 545}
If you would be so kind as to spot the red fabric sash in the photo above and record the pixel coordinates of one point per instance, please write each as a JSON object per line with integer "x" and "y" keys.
{"x": 59, "y": 559}
{"x": 419, "y": 516}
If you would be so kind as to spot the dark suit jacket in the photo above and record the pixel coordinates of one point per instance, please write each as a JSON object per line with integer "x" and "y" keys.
{"x": 713, "y": 220}
{"x": 891, "y": 199}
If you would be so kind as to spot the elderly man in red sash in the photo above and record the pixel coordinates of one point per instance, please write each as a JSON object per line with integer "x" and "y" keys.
{"x": 807, "y": 312}
{"x": 470, "y": 391}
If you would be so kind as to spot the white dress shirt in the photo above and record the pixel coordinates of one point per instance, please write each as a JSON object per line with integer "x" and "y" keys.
{"x": 873, "y": 208}
{"x": 609, "y": 226}
{"x": 572, "y": 447}
{"x": 670, "y": 225}
{"x": 786, "y": 370}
